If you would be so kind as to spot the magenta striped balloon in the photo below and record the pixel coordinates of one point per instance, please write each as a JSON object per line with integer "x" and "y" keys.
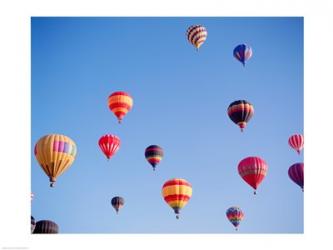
{"x": 296, "y": 174}
{"x": 296, "y": 141}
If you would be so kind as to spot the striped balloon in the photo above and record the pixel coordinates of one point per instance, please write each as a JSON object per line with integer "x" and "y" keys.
{"x": 154, "y": 155}
{"x": 296, "y": 141}
{"x": 109, "y": 144}
{"x": 120, "y": 103}
{"x": 240, "y": 112}
{"x": 117, "y": 202}
{"x": 296, "y": 174}
{"x": 242, "y": 53}
{"x": 55, "y": 153}
{"x": 177, "y": 192}
{"x": 197, "y": 35}
{"x": 235, "y": 215}
{"x": 253, "y": 170}
{"x": 46, "y": 227}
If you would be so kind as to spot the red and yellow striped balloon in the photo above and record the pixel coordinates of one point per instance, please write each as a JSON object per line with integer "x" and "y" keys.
{"x": 120, "y": 103}
{"x": 177, "y": 192}
{"x": 197, "y": 35}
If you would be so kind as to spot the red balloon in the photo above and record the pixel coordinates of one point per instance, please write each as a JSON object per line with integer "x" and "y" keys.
{"x": 109, "y": 145}
{"x": 296, "y": 142}
{"x": 253, "y": 170}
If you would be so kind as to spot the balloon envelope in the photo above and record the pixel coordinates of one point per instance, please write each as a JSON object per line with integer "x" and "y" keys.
{"x": 296, "y": 141}
{"x": 296, "y": 174}
{"x": 55, "y": 153}
{"x": 196, "y": 35}
{"x": 177, "y": 192}
{"x": 242, "y": 53}
{"x": 120, "y": 103}
{"x": 154, "y": 155}
{"x": 253, "y": 170}
{"x": 109, "y": 145}
{"x": 46, "y": 227}
{"x": 240, "y": 112}
{"x": 117, "y": 202}
{"x": 235, "y": 215}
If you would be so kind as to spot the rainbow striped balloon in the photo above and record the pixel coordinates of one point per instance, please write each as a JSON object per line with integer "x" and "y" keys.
{"x": 235, "y": 215}
{"x": 55, "y": 153}
{"x": 177, "y": 192}
{"x": 197, "y": 35}
{"x": 154, "y": 155}
{"x": 120, "y": 103}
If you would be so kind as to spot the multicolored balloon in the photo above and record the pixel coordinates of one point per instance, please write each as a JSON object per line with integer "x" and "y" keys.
{"x": 253, "y": 170}
{"x": 55, "y": 153}
{"x": 120, "y": 103}
{"x": 296, "y": 141}
{"x": 154, "y": 155}
{"x": 296, "y": 174}
{"x": 196, "y": 35}
{"x": 242, "y": 53}
{"x": 235, "y": 215}
{"x": 109, "y": 145}
{"x": 240, "y": 112}
{"x": 46, "y": 227}
{"x": 177, "y": 192}
{"x": 117, "y": 202}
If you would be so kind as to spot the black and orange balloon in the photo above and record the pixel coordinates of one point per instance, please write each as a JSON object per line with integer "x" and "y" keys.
{"x": 117, "y": 202}
{"x": 46, "y": 227}
{"x": 240, "y": 112}
{"x": 154, "y": 155}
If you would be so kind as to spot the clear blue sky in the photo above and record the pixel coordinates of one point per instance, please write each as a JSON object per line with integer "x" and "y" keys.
{"x": 180, "y": 102}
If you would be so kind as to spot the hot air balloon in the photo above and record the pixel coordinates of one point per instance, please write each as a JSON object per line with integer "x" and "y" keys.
{"x": 196, "y": 35}
{"x": 154, "y": 155}
{"x": 242, "y": 53}
{"x": 240, "y": 112}
{"x": 296, "y": 174}
{"x": 55, "y": 153}
{"x": 177, "y": 192}
{"x": 120, "y": 103}
{"x": 33, "y": 224}
{"x": 109, "y": 144}
{"x": 117, "y": 203}
{"x": 253, "y": 170}
{"x": 46, "y": 227}
{"x": 235, "y": 215}
{"x": 296, "y": 142}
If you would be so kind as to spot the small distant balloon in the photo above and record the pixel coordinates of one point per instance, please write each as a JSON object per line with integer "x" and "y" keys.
{"x": 242, "y": 53}
{"x": 296, "y": 141}
{"x": 253, "y": 170}
{"x": 109, "y": 145}
{"x": 46, "y": 227}
{"x": 154, "y": 155}
{"x": 196, "y": 35}
{"x": 117, "y": 203}
{"x": 296, "y": 174}
{"x": 120, "y": 103}
{"x": 235, "y": 215}
{"x": 55, "y": 153}
{"x": 240, "y": 112}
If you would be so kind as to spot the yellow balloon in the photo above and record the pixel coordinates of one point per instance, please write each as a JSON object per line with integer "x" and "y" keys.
{"x": 55, "y": 153}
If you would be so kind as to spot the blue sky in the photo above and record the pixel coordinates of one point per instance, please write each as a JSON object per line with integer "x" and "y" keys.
{"x": 180, "y": 102}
